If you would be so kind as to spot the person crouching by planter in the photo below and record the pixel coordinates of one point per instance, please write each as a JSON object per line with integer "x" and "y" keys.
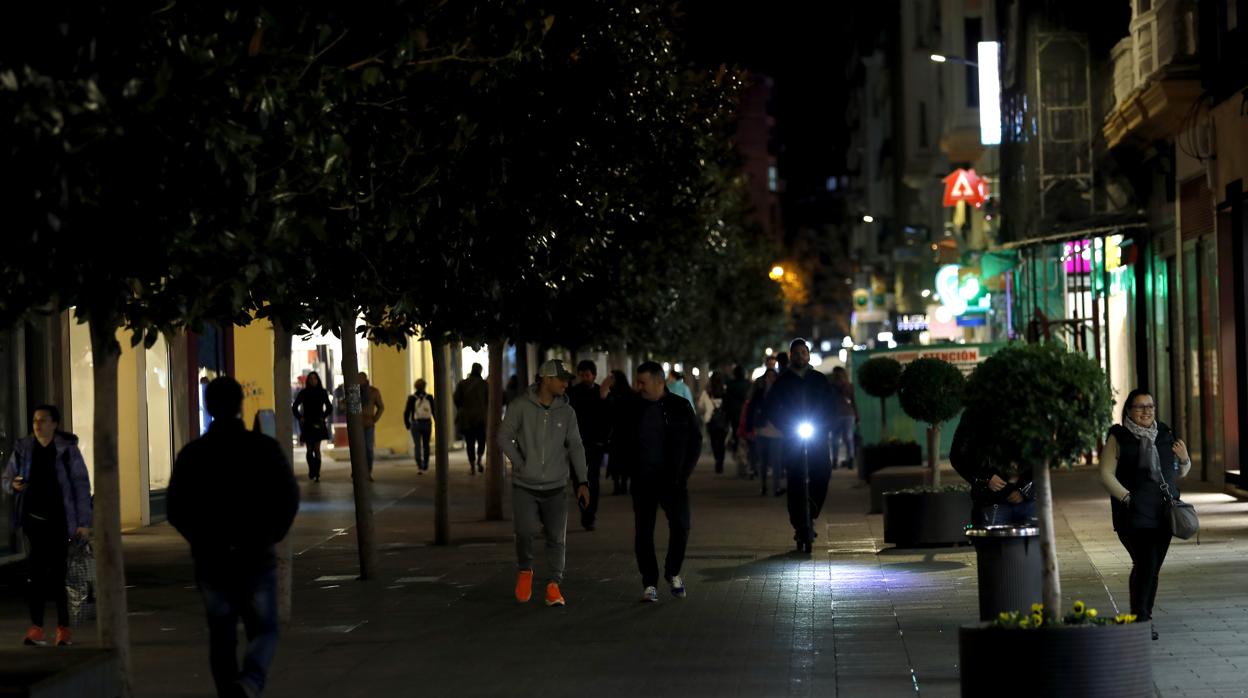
{"x": 998, "y": 497}
{"x": 1140, "y": 455}
{"x": 47, "y": 474}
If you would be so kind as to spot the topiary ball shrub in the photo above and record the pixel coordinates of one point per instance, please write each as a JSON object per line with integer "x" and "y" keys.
{"x": 1038, "y": 404}
{"x": 879, "y": 376}
{"x": 930, "y": 390}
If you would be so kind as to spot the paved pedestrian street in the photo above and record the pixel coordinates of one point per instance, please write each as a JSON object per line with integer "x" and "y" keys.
{"x": 855, "y": 619}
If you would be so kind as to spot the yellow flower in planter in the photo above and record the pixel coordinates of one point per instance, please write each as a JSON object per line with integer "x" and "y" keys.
{"x": 1091, "y": 612}
{"x": 1078, "y": 609}
{"x": 1037, "y": 608}
{"x": 1024, "y": 623}
{"x": 1037, "y": 619}
{"x": 1124, "y": 618}
{"x": 1004, "y": 617}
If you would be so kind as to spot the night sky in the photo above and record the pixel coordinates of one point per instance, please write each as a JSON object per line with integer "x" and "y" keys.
{"x": 806, "y": 47}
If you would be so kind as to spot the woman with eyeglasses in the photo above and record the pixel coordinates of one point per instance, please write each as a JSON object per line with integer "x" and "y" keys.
{"x": 1142, "y": 455}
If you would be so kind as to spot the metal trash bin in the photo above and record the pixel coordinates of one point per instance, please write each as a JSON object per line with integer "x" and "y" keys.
{"x": 1009, "y": 568}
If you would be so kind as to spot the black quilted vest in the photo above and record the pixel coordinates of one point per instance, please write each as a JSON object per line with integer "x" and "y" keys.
{"x": 1147, "y": 508}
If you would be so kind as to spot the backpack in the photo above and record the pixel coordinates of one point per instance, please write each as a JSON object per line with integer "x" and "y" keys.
{"x": 719, "y": 418}
{"x": 424, "y": 407}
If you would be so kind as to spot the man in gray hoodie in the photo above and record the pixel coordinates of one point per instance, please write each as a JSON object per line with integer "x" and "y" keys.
{"x": 541, "y": 438}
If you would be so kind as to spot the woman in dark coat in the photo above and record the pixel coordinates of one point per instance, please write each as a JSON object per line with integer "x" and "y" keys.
{"x": 1140, "y": 456}
{"x": 311, "y": 408}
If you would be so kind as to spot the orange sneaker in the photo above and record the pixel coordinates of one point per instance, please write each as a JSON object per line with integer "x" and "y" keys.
{"x": 553, "y": 597}
{"x": 63, "y": 637}
{"x": 524, "y": 586}
{"x": 35, "y": 636}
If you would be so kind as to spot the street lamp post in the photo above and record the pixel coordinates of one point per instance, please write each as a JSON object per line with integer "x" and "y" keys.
{"x": 987, "y": 68}
{"x": 942, "y": 58}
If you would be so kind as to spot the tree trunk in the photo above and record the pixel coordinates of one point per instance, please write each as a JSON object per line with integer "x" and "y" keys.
{"x": 1052, "y": 596}
{"x": 883, "y": 419}
{"x": 933, "y": 452}
{"x": 495, "y": 473}
{"x": 113, "y": 621}
{"x": 446, "y": 432}
{"x": 285, "y": 432}
{"x": 364, "y": 534}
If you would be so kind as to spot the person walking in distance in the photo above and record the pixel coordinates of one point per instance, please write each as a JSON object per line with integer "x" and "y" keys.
{"x": 844, "y": 417}
{"x": 618, "y": 396}
{"x": 541, "y": 437}
{"x": 736, "y": 392}
{"x": 766, "y": 446}
{"x": 590, "y": 402}
{"x": 472, "y": 405}
{"x": 373, "y": 407}
{"x": 311, "y": 408}
{"x": 48, "y": 476}
{"x": 712, "y": 412}
{"x": 418, "y": 420}
{"x": 233, "y": 496}
{"x": 659, "y": 439}
{"x": 799, "y": 405}
{"x": 677, "y": 386}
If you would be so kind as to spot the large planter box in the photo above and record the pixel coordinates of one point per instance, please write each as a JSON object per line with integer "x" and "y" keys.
{"x": 1094, "y": 661}
{"x": 64, "y": 672}
{"x": 1009, "y": 568}
{"x": 926, "y": 518}
{"x": 898, "y": 477}
{"x": 886, "y": 455}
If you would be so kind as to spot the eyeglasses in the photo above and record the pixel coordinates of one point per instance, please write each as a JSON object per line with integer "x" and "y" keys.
{"x": 1144, "y": 408}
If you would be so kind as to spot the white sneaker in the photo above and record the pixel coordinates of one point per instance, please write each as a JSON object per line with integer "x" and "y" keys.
{"x": 678, "y": 586}
{"x": 650, "y": 595}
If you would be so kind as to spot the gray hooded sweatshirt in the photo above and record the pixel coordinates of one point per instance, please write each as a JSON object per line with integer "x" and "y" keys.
{"x": 541, "y": 441}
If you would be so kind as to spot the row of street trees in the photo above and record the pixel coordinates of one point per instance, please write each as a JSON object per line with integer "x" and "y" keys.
{"x": 460, "y": 172}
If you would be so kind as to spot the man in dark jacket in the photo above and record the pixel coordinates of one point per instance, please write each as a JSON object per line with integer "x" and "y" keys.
{"x": 233, "y": 496}
{"x": 590, "y": 402}
{"x": 472, "y": 404}
{"x": 799, "y": 404}
{"x": 658, "y": 438}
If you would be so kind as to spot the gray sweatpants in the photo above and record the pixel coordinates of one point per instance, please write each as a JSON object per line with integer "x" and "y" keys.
{"x": 534, "y": 510}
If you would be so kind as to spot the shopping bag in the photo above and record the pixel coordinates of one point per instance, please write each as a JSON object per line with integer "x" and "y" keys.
{"x": 80, "y": 583}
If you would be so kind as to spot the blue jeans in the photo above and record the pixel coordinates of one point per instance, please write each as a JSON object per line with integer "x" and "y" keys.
{"x": 842, "y": 431}
{"x": 422, "y": 431}
{"x": 370, "y": 442}
{"x": 229, "y": 597}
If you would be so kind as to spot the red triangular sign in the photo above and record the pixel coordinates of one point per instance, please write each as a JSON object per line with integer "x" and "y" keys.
{"x": 963, "y": 185}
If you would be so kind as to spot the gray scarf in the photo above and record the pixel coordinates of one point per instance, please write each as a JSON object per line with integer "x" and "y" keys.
{"x": 1149, "y": 460}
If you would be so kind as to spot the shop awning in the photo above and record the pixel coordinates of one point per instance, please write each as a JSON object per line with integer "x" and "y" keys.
{"x": 1084, "y": 233}
{"x": 993, "y": 263}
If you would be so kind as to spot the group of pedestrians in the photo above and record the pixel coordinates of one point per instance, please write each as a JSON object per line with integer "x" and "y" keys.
{"x": 647, "y": 436}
